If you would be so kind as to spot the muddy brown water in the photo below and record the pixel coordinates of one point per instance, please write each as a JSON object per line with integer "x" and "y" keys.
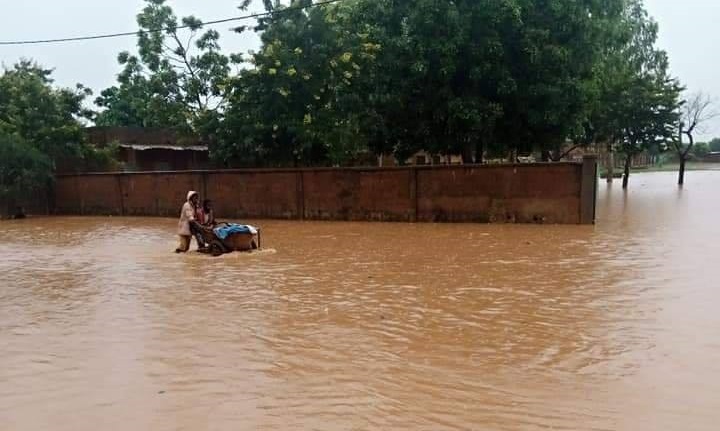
{"x": 358, "y": 326}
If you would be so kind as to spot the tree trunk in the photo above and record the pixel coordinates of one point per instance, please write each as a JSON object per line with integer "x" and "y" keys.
{"x": 681, "y": 173}
{"x": 610, "y": 164}
{"x": 626, "y": 174}
{"x": 50, "y": 196}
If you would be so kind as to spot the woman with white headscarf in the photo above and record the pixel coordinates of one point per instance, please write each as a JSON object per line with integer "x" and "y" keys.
{"x": 187, "y": 215}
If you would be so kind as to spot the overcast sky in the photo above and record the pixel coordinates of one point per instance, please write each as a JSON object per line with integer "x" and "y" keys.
{"x": 687, "y": 32}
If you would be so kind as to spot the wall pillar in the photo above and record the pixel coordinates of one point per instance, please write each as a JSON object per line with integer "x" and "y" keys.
{"x": 121, "y": 192}
{"x": 300, "y": 188}
{"x": 588, "y": 189}
{"x": 204, "y": 182}
{"x": 413, "y": 194}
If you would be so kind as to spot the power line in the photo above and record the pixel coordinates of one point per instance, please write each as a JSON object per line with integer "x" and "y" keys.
{"x": 159, "y": 30}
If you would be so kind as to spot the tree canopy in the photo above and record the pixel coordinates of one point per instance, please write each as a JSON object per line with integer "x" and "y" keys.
{"x": 40, "y": 131}
{"x": 464, "y": 77}
{"x": 714, "y": 145}
{"x": 24, "y": 170}
{"x": 298, "y": 102}
{"x": 332, "y": 83}
{"x": 176, "y": 80}
{"x": 32, "y": 109}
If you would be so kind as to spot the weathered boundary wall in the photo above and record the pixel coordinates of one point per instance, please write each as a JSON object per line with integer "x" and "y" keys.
{"x": 562, "y": 193}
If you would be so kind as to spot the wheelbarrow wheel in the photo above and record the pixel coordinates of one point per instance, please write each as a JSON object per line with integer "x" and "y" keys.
{"x": 216, "y": 248}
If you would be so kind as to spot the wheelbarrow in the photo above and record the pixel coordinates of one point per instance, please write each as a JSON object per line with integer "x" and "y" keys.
{"x": 227, "y": 237}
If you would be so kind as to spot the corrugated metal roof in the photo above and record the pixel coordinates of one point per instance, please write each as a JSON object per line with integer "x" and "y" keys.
{"x": 139, "y": 147}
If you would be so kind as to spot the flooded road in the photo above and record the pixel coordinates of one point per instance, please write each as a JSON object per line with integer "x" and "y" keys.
{"x": 355, "y": 326}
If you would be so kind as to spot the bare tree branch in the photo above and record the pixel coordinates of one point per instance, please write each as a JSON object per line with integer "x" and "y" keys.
{"x": 696, "y": 111}
{"x": 190, "y": 69}
{"x": 168, "y": 48}
{"x": 189, "y": 41}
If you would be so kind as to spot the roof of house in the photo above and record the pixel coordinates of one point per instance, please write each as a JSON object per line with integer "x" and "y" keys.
{"x": 140, "y": 136}
{"x": 139, "y": 147}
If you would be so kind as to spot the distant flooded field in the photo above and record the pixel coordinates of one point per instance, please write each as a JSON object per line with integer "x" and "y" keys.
{"x": 371, "y": 326}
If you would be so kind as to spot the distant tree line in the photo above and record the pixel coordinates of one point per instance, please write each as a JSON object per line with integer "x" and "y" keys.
{"x": 702, "y": 149}
{"x": 334, "y": 82}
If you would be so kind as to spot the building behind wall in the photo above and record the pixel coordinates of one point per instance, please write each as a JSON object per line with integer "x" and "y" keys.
{"x": 152, "y": 149}
{"x": 137, "y": 157}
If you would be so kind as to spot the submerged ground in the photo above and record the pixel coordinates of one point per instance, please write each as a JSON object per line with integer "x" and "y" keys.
{"x": 371, "y": 326}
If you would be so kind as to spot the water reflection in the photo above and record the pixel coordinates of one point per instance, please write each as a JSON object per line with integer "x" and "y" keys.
{"x": 370, "y": 326}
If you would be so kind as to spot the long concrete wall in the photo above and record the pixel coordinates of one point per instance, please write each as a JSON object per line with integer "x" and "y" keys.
{"x": 562, "y": 193}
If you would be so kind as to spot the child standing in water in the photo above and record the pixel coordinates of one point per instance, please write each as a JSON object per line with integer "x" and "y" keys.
{"x": 187, "y": 216}
{"x": 200, "y": 218}
{"x": 208, "y": 213}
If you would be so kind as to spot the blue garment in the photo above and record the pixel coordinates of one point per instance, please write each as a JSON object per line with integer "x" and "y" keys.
{"x": 228, "y": 229}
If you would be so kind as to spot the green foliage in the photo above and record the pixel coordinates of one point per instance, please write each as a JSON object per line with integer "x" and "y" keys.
{"x": 554, "y": 52}
{"x": 298, "y": 103}
{"x": 43, "y": 116}
{"x": 332, "y": 83}
{"x": 650, "y": 110}
{"x": 469, "y": 76}
{"x": 637, "y": 103}
{"x": 715, "y": 145}
{"x": 175, "y": 81}
{"x": 700, "y": 150}
{"x": 41, "y": 129}
{"x": 438, "y": 76}
{"x": 97, "y": 159}
{"x": 24, "y": 170}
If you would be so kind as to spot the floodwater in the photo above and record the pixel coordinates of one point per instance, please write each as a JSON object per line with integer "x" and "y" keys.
{"x": 354, "y": 326}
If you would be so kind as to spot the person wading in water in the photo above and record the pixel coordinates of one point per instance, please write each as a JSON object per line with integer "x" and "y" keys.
{"x": 187, "y": 216}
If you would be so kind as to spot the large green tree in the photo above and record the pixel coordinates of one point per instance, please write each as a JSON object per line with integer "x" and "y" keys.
{"x": 41, "y": 131}
{"x": 553, "y": 54}
{"x": 463, "y": 77}
{"x": 178, "y": 79}
{"x": 636, "y": 109}
{"x": 297, "y": 102}
{"x": 445, "y": 77}
{"x": 457, "y": 77}
{"x": 440, "y": 68}
{"x": 24, "y": 171}
{"x": 46, "y": 117}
